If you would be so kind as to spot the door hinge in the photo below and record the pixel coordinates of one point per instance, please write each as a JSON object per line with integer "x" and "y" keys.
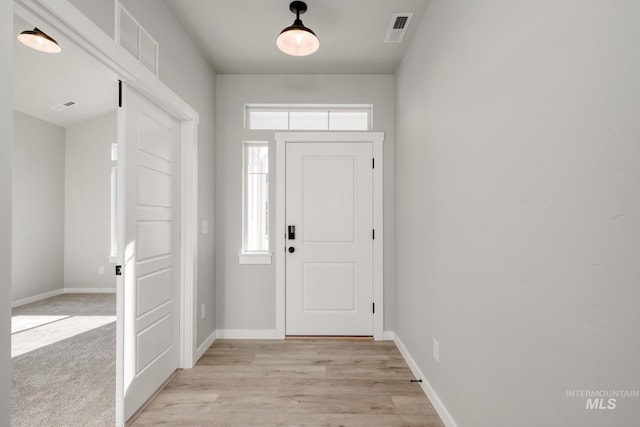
{"x": 120, "y": 93}
{"x": 373, "y": 163}
{"x": 374, "y": 308}
{"x": 118, "y": 270}
{"x": 373, "y": 234}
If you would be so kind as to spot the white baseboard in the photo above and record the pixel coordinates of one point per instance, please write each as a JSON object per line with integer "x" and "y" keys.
{"x": 36, "y": 298}
{"x": 89, "y": 290}
{"x": 444, "y": 414}
{"x": 388, "y": 336}
{"x": 248, "y": 334}
{"x": 203, "y": 347}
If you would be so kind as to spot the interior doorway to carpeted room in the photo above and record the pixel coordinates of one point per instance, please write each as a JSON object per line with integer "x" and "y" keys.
{"x": 63, "y": 326}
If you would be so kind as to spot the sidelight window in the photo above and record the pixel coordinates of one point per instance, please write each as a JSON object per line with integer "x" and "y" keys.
{"x": 255, "y": 233}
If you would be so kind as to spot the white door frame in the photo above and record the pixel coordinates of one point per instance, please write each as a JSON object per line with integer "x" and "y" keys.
{"x": 377, "y": 138}
{"x": 70, "y": 25}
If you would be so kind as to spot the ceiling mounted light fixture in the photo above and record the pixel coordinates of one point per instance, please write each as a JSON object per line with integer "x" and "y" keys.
{"x": 38, "y": 40}
{"x": 298, "y": 40}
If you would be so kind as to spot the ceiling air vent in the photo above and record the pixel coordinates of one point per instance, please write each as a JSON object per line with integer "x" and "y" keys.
{"x": 64, "y": 105}
{"x": 398, "y": 27}
{"x": 136, "y": 40}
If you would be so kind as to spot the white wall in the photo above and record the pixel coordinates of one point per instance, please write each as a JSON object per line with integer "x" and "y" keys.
{"x": 246, "y": 293}
{"x": 38, "y": 207}
{"x": 518, "y": 163}
{"x": 101, "y": 12}
{"x": 184, "y": 70}
{"x": 6, "y": 167}
{"x": 87, "y": 219}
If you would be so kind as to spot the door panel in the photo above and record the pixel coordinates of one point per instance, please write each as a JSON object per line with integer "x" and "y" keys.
{"x": 154, "y": 239}
{"x": 329, "y": 286}
{"x": 328, "y": 207}
{"x": 153, "y": 290}
{"x": 153, "y": 341}
{"x": 154, "y": 188}
{"x": 148, "y": 167}
{"x": 329, "y": 276}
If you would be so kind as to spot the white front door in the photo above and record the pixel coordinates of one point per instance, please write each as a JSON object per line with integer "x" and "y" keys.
{"x": 148, "y": 250}
{"x": 329, "y": 258}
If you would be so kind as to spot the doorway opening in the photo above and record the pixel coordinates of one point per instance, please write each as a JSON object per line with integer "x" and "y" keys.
{"x": 63, "y": 290}
{"x": 63, "y": 21}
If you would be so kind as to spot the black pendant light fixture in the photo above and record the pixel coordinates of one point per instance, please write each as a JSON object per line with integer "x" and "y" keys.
{"x": 38, "y": 40}
{"x": 298, "y": 40}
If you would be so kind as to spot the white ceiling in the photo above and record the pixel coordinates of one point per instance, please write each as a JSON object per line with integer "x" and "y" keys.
{"x": 239, "y": 36}
{"x": 235, "y": 37}
{"x": 42, "y": 80}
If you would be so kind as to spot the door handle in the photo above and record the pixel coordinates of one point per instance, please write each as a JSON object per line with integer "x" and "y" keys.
{"x": 291, "y": 249}
{"x": 292, "y": 232}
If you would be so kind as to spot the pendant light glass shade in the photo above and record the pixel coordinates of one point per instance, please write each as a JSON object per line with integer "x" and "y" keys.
{"x": 298, "y": 40}
{"x": 38, "y": 40}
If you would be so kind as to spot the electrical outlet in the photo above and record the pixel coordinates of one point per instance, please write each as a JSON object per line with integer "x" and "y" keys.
{"x": 205, "y": 227}
{"x": 202, "y": 311}
{"x": 436, "y": 350}
{"x": 101, "y": 269}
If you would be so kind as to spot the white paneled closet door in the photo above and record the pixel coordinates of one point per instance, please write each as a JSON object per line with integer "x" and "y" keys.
{"x": 149, "y": 251}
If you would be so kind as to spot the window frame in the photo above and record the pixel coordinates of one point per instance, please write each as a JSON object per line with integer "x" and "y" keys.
{"x": 252, "y": 256}
{"x": 307, "y": 108}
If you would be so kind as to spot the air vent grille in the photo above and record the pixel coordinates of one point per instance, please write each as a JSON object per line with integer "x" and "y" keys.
{"x": 400, "y": 23}
{"x": 64, "y": 105}
{"x": 398, "y": 27}
{"x": 136, "y": 40}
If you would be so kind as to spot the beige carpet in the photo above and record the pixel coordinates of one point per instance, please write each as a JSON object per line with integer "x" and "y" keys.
{"x": 63, "y": 361}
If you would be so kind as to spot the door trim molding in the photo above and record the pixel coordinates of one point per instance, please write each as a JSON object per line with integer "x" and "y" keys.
{"x": 377, "y": 138}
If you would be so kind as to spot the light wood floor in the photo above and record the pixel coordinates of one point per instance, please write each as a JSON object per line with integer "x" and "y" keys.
{"x": 294, "y": 383}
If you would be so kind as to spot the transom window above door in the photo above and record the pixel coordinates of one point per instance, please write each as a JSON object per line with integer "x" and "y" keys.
{"x": 308, "y": 117}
